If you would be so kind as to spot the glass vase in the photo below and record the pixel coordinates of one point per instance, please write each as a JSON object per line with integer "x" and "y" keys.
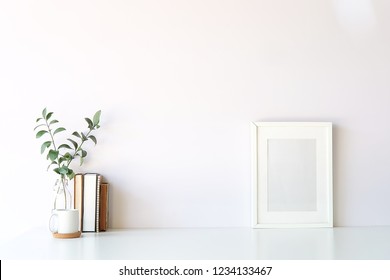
{"x": 62, "y": 197}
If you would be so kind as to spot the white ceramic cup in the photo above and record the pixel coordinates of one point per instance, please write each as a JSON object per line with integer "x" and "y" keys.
{"x": 64, "y": 221}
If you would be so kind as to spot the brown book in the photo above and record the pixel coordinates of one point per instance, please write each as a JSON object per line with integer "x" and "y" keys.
{"x": 78, "y": 196}
{"x": 103, "y": 205}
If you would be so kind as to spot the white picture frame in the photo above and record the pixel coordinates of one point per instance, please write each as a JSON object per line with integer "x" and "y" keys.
{"x": 292, "y": 183}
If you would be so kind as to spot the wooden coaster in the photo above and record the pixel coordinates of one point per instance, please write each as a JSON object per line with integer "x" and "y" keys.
{"x": 67, "y": 235}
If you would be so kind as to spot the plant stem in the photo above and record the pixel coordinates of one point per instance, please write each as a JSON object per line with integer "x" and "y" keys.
{"x": 62, "y": 187}
{"x": 52, "y": 139}
{"x": 51, "y": 135}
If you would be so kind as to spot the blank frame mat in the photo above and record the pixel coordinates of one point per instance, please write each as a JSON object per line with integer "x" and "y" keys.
{"x": 292, "y": 175}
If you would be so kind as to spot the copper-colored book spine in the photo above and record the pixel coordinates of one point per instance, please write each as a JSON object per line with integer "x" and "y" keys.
{"x": 103, "y": 221}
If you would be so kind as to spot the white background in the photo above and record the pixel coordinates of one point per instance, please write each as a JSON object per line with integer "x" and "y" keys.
{"x": 178, "y": 83}
{"x": 285, "y": 269}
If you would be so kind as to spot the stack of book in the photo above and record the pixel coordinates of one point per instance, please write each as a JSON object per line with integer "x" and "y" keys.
{"x": 91, "y": 198}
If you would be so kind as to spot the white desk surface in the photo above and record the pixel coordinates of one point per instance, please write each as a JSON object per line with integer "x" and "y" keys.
{"x": 367, "y": 243}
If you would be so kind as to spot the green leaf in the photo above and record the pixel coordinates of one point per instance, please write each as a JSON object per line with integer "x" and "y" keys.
{"x": 38, "y": 119}
{"x": 61, "y": 160}
{"x": 76, "y": 134}
{"x": 70, "y": 174}
{"x": 38, "y": 126}
{"x": 68, "y": 156}
{"x": 53, "y": 154}
{"x": 90, "y": 123}
{"x": 48, "y": 116}
{"x": 40, "y": 133}
{"x": 83, "y": 153}
{"x": 81, "y": 161}
{"x": 93, "y": 138}
{"x": 63, "y": 170}
{"x": 83, "y": 137}
{"x": 44, "y": 113}
{"x": 66, "y": 146}
{"x": 53, "y": 122}
{"x": 58, "y": 130}
{"x": 74, "y": 143}
{"x": 96, "y": 117}
{"x": 44, "y": 146}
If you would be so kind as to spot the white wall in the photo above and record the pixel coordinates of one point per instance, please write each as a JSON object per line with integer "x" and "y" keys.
{"x": 178, "y": 83}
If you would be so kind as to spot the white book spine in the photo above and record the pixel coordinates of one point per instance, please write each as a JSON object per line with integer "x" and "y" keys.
{"x": 89, "y": 213}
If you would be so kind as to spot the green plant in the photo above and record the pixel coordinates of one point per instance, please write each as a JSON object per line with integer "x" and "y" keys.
{"x": 61, "y": 156}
